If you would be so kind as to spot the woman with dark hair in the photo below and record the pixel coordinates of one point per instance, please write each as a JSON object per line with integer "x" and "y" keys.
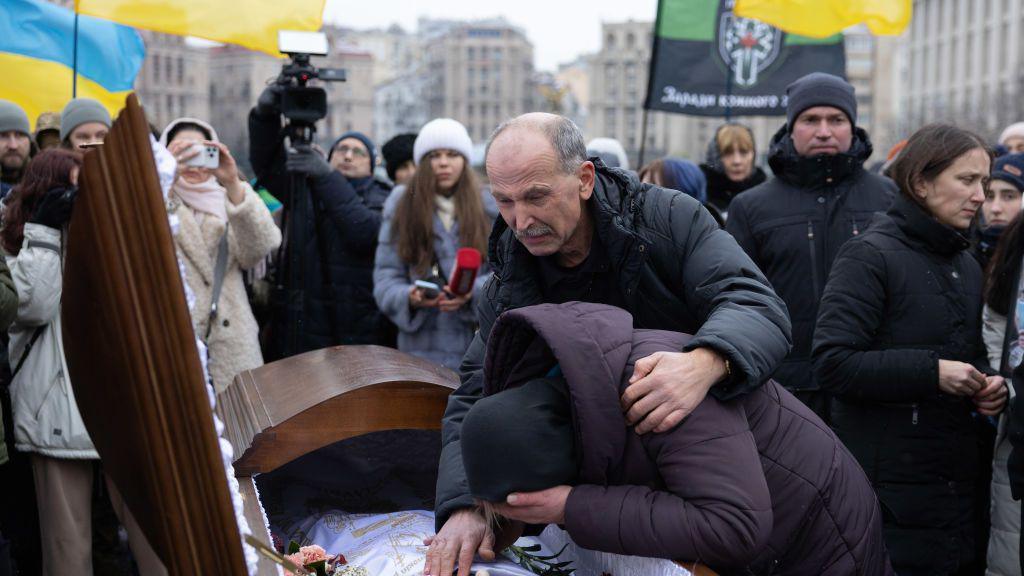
{"x": 1001, "y": 328}
{"x": 730, "y": 166}
{"x": 47, "y": 424}
{"x": 898, "y": 342}
{"x": 1002, "y": 205}
{"x": 443, "y": 209}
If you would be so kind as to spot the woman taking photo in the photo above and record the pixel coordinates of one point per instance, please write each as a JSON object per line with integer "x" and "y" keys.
{"x": 47, "y": 424}
{"x": 225, "y": 229}
{"x": 898, "y": 342}
{"x": 443, "y": 209}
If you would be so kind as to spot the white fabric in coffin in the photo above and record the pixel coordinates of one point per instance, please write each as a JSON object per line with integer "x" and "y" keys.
{"x": 392, "y": 545}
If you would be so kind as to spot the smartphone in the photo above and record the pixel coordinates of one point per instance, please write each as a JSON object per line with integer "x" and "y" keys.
{"x": 430, "y": 290}
{"x": 207, "y": 157}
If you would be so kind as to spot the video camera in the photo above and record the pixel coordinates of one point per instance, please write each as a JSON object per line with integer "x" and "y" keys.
{"x": 301, "y": 104}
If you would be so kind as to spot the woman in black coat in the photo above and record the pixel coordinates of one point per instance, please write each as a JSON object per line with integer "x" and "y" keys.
{"x": 898, "y": 342}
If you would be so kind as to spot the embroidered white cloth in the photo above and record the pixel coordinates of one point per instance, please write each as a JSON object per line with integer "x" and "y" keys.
{"x": 392, "y": 545}
{"x": 591, "y": 562}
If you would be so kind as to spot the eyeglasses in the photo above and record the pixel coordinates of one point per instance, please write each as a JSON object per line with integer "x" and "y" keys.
{"x": 356, "y": 151}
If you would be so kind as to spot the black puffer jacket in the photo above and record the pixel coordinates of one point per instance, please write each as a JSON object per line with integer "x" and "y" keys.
{"x": 677, "y": 271}
{"x": 902, "y": 296}
{"x": 341, "y": 234}
{"x": 793, "y": 226}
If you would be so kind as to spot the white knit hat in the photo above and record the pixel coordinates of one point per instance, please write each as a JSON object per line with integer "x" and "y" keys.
{"x": 608, "y": 149}
{"x": 441, "y": 134}
{"x": 1015, "y": 130}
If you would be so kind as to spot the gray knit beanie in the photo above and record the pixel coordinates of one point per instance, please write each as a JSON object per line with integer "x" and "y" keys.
{"x": 820, "y": 89}
{"x": 81, "y": 111}
{"x": 12, "y": 117}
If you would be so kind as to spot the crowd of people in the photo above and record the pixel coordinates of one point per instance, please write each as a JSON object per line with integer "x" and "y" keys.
{"x": 807, "y": 372}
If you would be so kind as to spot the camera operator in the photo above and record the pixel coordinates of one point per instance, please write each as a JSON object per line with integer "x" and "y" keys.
{"x": 338, "y": 236}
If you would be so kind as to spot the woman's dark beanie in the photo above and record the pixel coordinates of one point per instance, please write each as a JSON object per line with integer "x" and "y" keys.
{"x": 519, "y": 440}
{"x": 396, "y": 152}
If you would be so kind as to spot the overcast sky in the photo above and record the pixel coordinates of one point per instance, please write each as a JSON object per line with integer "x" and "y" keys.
{"x": 559, "y": 29}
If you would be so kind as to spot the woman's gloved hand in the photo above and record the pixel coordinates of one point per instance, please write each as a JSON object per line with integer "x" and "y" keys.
{"x": 54, "y": 209}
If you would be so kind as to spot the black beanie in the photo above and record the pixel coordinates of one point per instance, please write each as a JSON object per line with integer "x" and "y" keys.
{"x": 396, "y": 152}
{"x": 519, "y": 440}
{"x": 820, "y": 89}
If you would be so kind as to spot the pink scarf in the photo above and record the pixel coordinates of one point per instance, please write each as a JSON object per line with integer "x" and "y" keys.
{"x": 208, "y": 197}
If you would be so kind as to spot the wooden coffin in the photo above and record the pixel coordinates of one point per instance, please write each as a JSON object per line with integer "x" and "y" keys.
{"x": 131, "y": 352}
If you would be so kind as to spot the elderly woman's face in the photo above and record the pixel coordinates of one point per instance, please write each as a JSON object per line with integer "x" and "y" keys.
{"x": 958, "y": 192}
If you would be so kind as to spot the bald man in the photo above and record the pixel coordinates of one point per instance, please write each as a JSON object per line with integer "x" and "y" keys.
{"x": 573, "y": 229}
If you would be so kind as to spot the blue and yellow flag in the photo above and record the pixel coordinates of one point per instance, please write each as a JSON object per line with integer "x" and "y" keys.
{"x": 251, "y": 23}
{"x": 37, "y": 54}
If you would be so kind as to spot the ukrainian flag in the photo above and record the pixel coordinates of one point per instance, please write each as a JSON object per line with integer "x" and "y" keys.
{"x": 37, "y": 55}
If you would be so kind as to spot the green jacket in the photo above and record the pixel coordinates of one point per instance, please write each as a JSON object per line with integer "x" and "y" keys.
{"x": 8, "y": 311}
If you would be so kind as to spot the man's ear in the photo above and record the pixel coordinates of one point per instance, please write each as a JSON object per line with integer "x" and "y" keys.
{"x": 587, "y": 176}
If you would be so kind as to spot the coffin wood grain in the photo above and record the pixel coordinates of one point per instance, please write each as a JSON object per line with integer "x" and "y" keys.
{"x": 132, "y": 358}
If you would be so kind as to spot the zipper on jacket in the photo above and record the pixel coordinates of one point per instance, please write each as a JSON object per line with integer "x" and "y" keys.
{"x": 913, "y": 416}
{"x": 814, "y": 258}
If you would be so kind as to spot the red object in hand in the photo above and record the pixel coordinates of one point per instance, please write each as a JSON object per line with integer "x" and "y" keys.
{"x": 467, "y": 264}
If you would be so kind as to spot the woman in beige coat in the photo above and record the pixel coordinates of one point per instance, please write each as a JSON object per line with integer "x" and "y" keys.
{"x": 211, "y": 203}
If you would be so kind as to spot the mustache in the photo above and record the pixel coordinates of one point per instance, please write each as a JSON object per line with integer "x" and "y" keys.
{"x": 534, "y": 231}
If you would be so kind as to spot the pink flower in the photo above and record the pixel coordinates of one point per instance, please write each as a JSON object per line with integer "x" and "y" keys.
{"x": 306, "y": 555}
{"x": 312, "y": 554}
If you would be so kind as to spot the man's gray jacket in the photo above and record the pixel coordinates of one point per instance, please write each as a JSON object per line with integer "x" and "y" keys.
{"x": 677, "y": 270}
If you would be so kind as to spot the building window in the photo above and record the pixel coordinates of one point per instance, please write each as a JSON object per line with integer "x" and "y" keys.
{"x": 630, "y": 40}
{"x": 496, "y": 54}
{"x": 181, "y": 70}
{"x": 609, "y": 120}
{"x": 156, "y": 68}
{"x": 609, "y": 40}
{"x": 169, "y": 106}
{"x": 471, "y": 53}
{"x": 168, "y": 69}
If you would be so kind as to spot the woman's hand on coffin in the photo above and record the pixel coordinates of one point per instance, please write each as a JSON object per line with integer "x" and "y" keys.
{"x": 667, "y": 386}
{"x": 53, "y": 210}
{"x": 465, "y": 534}
{"x": 543, "y": 507}
{"x": 991, "y": 399}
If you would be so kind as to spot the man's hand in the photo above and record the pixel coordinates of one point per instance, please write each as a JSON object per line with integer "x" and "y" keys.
{"x": 464, "y": 534}
{"x": 543, "y": 507}
{"x": 303, "y": 159}
{"x": 667, "y": 386}
{"x": 991, "y": 399}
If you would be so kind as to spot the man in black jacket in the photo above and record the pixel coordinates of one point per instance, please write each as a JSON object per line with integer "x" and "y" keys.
{"x": 339, "y": 240}
{"x": 820, "y": 197}
{"x": 572, "y": 229}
